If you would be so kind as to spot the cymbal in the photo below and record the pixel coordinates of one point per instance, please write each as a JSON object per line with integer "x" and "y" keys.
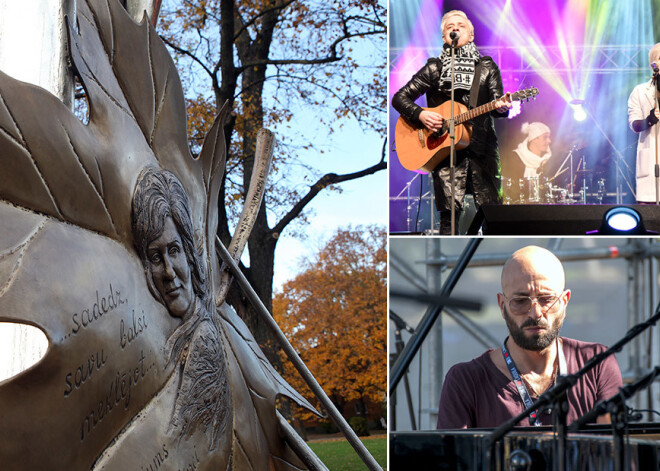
{"x": 575, "y": 148}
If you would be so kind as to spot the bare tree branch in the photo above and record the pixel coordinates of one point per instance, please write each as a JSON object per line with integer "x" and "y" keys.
{"x": 328, "y": 90}
{"x": 323, "y": 182}
{"x": 332, "y": 57}
{"x": 185, "y": 52}
{"x": 262, "y": 13}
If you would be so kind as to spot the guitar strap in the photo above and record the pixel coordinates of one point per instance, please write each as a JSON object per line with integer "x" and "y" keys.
{"x": 474, "y": 91}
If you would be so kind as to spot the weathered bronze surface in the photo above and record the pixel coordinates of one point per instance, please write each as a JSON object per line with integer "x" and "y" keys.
{"x": 107, "y": 244}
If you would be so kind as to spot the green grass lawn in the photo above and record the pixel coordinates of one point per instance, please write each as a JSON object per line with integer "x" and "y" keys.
{"x": 338, "y": 455}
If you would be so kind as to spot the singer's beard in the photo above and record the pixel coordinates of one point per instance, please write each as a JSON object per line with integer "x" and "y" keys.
{"x": 536, "y": 342}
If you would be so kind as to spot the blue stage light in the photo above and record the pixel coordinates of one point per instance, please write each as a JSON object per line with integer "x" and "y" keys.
{"x": 622, "y": 220}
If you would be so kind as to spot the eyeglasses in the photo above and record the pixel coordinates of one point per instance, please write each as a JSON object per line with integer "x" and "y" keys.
{"x": 523, "y": 304}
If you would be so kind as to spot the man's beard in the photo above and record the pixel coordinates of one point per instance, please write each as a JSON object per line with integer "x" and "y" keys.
{"x": 536, "y": 342}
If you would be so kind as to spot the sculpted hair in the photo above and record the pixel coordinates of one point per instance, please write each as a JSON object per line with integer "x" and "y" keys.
{"x": 159, "y": 194}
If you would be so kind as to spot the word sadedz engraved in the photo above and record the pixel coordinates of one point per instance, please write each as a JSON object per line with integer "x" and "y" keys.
{"x": 96, "y": 310}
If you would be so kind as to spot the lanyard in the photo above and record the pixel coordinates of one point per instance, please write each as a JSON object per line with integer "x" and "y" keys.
{"x": 520, "y": 386}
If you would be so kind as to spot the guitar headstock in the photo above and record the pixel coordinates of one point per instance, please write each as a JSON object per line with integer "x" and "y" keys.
{"x": 526, "y": 94}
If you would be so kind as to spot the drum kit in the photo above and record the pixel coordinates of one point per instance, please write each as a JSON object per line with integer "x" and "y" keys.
{"x": 541, "y": 190}
{"x": 584, "y": 187}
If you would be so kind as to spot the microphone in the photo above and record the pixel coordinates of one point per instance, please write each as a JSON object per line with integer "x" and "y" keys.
{"x": 400, "y": 323}
{"x": 654, "y": 66}
{"x": 454, "y": 35}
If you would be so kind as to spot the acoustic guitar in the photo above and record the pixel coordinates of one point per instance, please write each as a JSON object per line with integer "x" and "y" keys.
{"x": 422, "y": 149}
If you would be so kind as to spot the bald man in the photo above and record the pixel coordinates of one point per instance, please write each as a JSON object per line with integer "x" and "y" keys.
{"x": 483, "y": 392}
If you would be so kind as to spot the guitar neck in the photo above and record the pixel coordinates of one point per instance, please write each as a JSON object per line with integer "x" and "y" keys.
{"x": 473, "y": 113}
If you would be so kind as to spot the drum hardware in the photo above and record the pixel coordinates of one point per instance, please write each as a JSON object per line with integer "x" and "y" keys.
{"x": 558, "y": 195}
{"x": 531, "y": 188}
{"x": 528, "y": 190}
{"x": 601, "y": 190}
{"x": 508, "y": 189}
{"x": 542, "y": 190}
{"x": 562, "y": 169}
{"x": 546, "y": 190}
{"x": 583, "y": 173}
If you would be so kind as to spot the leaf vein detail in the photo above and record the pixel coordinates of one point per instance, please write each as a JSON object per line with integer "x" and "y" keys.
{"x": 24, "y": 144}
{"x": 99, "y": 192}
{"x": 13, "y": 120}
{"x": 22, "y": 246}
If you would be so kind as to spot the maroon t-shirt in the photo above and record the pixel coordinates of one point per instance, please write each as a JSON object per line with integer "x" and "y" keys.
{"x": 477, "y": 394}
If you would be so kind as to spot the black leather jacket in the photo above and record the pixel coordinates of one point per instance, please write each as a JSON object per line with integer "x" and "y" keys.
{"x": 479, "y": 162}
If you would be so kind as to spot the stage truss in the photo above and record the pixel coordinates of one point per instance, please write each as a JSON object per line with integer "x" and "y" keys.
{"x": 551, "y": 59}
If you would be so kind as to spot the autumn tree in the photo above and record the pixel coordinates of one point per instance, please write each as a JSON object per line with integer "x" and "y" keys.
{"x": 294, "y": 67}
{"x": 334, "y": 314}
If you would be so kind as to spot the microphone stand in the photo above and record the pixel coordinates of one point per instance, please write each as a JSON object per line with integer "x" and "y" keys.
{"x": 616, "y": 406}
{"x": 399, "y": 344}
{"x": 452, "y": 137}
{"x": 571, "y": 176}
{"x": 557, "y": 397}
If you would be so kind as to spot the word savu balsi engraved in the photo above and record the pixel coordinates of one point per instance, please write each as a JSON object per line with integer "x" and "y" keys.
{"x": 130, "y": 333}
{"x": 76, "y": 379}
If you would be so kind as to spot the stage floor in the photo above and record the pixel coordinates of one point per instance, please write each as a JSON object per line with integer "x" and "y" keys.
{"x": 552, "y": 219}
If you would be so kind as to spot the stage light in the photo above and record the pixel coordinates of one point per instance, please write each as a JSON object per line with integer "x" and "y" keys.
{"x": 579, "y": 114}
{"x": 622, "y": 220}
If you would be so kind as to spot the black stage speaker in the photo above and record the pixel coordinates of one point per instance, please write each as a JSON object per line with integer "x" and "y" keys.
{"x": 552, "y": 219}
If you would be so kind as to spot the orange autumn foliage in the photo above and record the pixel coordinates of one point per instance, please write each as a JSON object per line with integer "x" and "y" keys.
{"x": 334, "y": 313}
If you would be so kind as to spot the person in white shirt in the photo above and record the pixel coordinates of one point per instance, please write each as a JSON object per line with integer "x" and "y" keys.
{"x": 533, "y": 152}
{"x": 643, "y": 116}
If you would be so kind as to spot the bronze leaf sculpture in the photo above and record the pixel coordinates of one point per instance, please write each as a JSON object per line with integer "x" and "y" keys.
{"x": 107, "y": 244}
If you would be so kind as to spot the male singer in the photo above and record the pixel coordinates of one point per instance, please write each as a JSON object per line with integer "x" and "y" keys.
{"x": 643, "y": 115}
{"x": 477, "y": 167}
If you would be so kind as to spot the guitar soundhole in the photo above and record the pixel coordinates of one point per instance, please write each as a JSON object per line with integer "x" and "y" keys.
{"x": 436, "y": 139}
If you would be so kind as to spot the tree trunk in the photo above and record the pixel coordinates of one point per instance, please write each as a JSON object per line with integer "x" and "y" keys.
{"x": 261, "y": 244}
{"x": 361, "y": 407}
